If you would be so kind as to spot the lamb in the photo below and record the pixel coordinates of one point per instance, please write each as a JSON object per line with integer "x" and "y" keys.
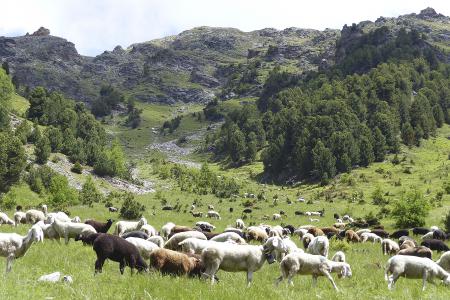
{"x": 414, "y": 267}
{"x": 69, "y": 230}
{"x": 256, "y": 233}
{"x": 319, "y": 245}
{"x": 112, "y": 209}
{"x": 173, "y": 242}
{"x": 280, "y": 247}
{"x": 306, "y": 239}
{"x": 352, "y": 236}
{"x": 4, "y": 219}
{"x": 229, "y": 236}
{"x": 33, "y": 216}
{"x": 234, "y": 258}
{"x": 316, "y": 231}
{"x": 112, "y": 247}
{"x": 213, "y": 214}
{"x": 237, "y": 231}
{"x": 196, "y": 214}
{"x": 361, "y": 231}
{"x": 338, "y": 256}
{"x": 136, "y": 234}
{"x": 399, "y": 233}
{"x": 178, "y": 229}
{"x": 300, "y": 232}
{"x": 368, "y": 236}
{"x": 276, "y": 231}
{"x": 149, "y": 230}
{"x": 210, "y": 207}
{"x": 434, "y": 244}
{"x": 420, "y": 251}
{"x": 205, "y": 226}
{"x": 308, "y": 264}
{"x": 166, "y": 229}
{"x": 14, "y": 246}
{"x": 276, "y": 217}
{"x": 48, "y": 230}
{"x": 125, "y": 226}
{"x": 170, "y": 262}
{"x": 404, "y": 238}
{"x": 240, "y": 224}
{"x": 340, "y": 225}
{"x": 158, "y": 240}
{"x": 444, "y": 261}
{"x": 388, "y": 246}
{"x": 20, "y": 218}
{"x": 327, "y": 230}
{"x": 145, "y": 247}
{"x": 407, "y": 244}
{"x": 99, "y": 226}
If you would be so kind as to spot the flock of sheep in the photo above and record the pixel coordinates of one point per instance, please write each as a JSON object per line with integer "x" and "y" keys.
{"x": 198, "y": 251}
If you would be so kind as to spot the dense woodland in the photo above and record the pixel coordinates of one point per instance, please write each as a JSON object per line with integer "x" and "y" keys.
{"x": 384, "y": 90}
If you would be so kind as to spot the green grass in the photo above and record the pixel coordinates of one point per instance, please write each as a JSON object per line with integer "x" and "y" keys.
{"x": 19, "y": 105}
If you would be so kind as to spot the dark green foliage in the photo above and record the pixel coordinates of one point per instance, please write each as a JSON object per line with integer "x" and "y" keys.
{"x": 378, "y": 197}
{"x": 61, "y": 195}
{"x": 6, "y": 91}
{"x": 111, "y": 162}
{"x": 77, "y": 168}
{"x": 8, "y": 201}
{"x": 89, "y": 193}
{"x": 173, "y": 124}
{"x": 12, "y": 160}
{"x": 39, "y": 179}
{"x": 42, "y": 149}
{"x": 411, "y": 210}
{"x": 23, "y": 131}
{"x": 447, "y": 222}
{"x": 323, "y": 162}
{"x": 131, "y": 209}
{"x": 108, "y": 100}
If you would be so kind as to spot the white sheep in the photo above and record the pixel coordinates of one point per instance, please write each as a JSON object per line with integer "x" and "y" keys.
{"x": 228, "y": 236}
{"x": 213, "y": 214}
{"x": 280, "y": 247}
{"x": 126, "y": 226}
{"x": 306, "y": 239}
{"x": 4, "y": 219}
{"x": 276, "y": 231}
{"x": 166, "y": 229}
{"x": 173, "y": 242}
{"x": 434, "y": 228}
{"x": 389, "y": 246}
{"x": 14, "y": 246}
{"x": 33, "y": 216}
{"x": 307, "y": 227}
{"x": 428, "y": 236}
{"x": 76, "y": 219}
{"x": 314, "y": 220}
{"x": 68, "y": 230}
{"x": 158, "y": 240}
{"x": 149, "y": 230}
{"x": 256, "y": 233}
{"x": 319, "y": 245}
{"x": 276, "y": 217}
{"x": 309, "y": 264}
{"x": 20, "y": 218}
{"x": 48, "y": 230}
{"x": 361, "y": 231}
{"x": 444, "y": 261}
{"x": 300, "y": 232}
{"x": 240, "y": 224}
{"x": 210, "y": 207}
{"x": 145, "y": 247}
{"x": 414, "y": 267}
{"x": 369, "y": 236}
{"x": 194, "y": 245}
{"x": 60, "y": 216}
{"x": 234, "y": 258}
{"x": 205, "y": 225}
{"x": 339, "y": 256}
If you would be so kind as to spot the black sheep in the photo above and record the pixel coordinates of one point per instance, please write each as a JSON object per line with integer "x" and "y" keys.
{"x": 136, "y": 234}
{"x": 439, "y": 235}
{"x": 88, "y": 239}
{"x": 399, "y": 233}
{"x": 247, "y": 211}
{"x": 290, "y": 228}
{"x": 115, "y": 248}
{"x": 420, "y": 230}
{"x": 434, "y": 244}
{"x": 99, "y": 226}
{"x": 336, "y": 216}
{"x": 381, "y": 233}
{"x": 299, "y": 213}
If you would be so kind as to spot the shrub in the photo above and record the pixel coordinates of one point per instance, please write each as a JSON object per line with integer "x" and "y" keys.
{"x": 447, "y": 222}
{"x": 411, "y": 210}
{"x": 377, "y": 197}
{"x": 9, "y": 200}
{"x": 61, "y": 194}
{"x": 89, "y": 194}
{"x": 337, "y": 245}
{"x": 77, "y": 168}
{"x": 131, "y": 209}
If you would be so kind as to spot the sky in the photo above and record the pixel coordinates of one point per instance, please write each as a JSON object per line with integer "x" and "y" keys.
{"x": 98, "y": 25}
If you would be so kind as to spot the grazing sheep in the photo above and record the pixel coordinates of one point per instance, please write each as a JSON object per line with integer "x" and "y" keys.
{"x": 115, "y": 248}
{"x": 327, "y": 230}
{"x": 76, "y": 219}
{"x": 149, "y": 230}
{"x": 60, "y": 216}
{"x": 166, "y": 229}
{"x": 316, "y": 231}
{"x": 197, "y": 214}
{"x": 145, "y": 247}
{"x": 136, "y": 234}
{"x": 300, "y": 232}
{"x": 420, "y": 230}
{"x": 361, "y": 231}
{"x": 340, "y": 225}
{"x": 339, "y": 256}
{"x": 234, "y": 258}
{"x": 210, "y": 207}
{"x": 158, "y": 240}
{"x": 433, "y": 228}
{"x": 388, "y": 246}
{"x": 99, "y": 226}
{"x": 14, "y": 246}
{"x": 280, "y": 247}
{"x": 33, "y": 216}
{"x": 205, "y": 226}
{"x": 319, "y": 245}
{"x": 20, "y": 218}
{"x": 307, "y": 264}
{"x": 381, "y": 233}
{"x": 241, "y": 233}
{"x": 399, "y": 233}
{"x": 69, "y": 230}
{"x": 256, "y": 233}
{"x": 229, "y": 236}
{"x": 368, "y": 236}
{"x": 306, "y": 240}
{"x": 173, "y": 242}
{"x": 407, "y": 244}
{"x": 240, "y": 224}
{"x": 170, "y": 262}
{"x": 112, "y": 209}
{"x": 4, "y": 219}
{"x": 437, "y": 245}
{"x": 439, "y": 235}
{"x": 290, "y": 228}
{"x": 420, "y": 251}
{"x": 88, "y": 239}
{"x": 444, "y": 261}
{"x": 276, "y": 231}
{"x": 427, "y": 236}
{"x": 125, "y": 226}
{"x": 414, "y": 267}
{"x": 193, "y": 245}
{"x": 48, "y": 230}
{"x": 178, "y": 229}
{"x": 276, "y": 217}
{"x": 352, "y": 236}
{"x": 404, "y": 238}
{"x": 213, "y": 214}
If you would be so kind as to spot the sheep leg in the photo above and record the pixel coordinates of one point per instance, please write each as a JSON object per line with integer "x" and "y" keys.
{"x": 66, "y": 238}
{"x": 314, "y": 280}
{"x": 122, "y": 266}
{"x": 424, "y": 279}
{"x": 392, "y": 280}
{"x": 327, "y": 274}
{"x": 9, "y": 261}
{"x": 99, "y": 265}
{"x": 249, "y": 278}
{"x": 278, "y": 280}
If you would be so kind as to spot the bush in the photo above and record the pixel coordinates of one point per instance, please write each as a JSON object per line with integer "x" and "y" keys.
{"x": 411, "y": 210}
{"x": 9, "y": 200}
{"x": 131, "y": 209}
{"x": 377, "y": 197}
{"x": 89, "y": 194}
{"x": 337, "y": 245}
{"x": 77, "y": 168}
{"x": 61, "y": 194}
{"x": 447, "y": 222}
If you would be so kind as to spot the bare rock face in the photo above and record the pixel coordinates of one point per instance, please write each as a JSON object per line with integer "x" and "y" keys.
{"x": 42, "y": 31}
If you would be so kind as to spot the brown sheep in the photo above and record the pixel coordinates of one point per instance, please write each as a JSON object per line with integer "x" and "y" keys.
{"x": 327, "y": 230}
{"x": 257, "y": 234}
{"x": 316, "y": 231}
{"x": 420, "y": 251}
{"x": 352, "y": 236}
{"x": 178, "y": 229}
{"x": 170, "y": 262}
{"x": 407, "y": 244}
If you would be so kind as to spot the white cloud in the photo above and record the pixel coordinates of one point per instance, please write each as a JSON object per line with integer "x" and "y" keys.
{"x": 97, "y": 25}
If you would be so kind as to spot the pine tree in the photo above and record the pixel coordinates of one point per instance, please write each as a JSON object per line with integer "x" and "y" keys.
{"x": 42, "y": 150}
{"x": 379, "y": 145}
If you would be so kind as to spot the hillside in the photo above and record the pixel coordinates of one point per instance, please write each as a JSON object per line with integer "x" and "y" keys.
{"x": 191, "y": 66}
